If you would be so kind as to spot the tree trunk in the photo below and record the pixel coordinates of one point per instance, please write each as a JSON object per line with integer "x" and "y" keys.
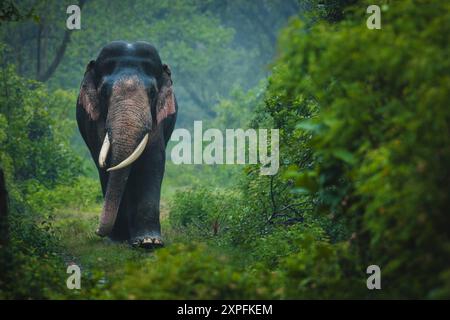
{"x": 4, "y": 236}
{"x": 44, "y": 76}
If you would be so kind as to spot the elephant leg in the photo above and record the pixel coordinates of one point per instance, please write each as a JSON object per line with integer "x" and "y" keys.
{"x": 144, "y": 191}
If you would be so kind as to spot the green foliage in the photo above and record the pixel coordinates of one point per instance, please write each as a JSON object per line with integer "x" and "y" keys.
{"x": 379, "y": 139}
{"x": 33, "y": 132}
{"x": 31, "y": 265}
{"x": 229, "y": 111}
{"x": 84, "y": 193}
{"x": 187, "y": 272}
{"x": 206, "y": 211}
{"x": 212, "y": 47}
{"x": 364, "y": 177}
{"x": 272, "y": 248}
{"x": 321, "y": 270}
{"x": 187, "y": 176}
{"x": 297, "y": 262}
{"x": 42, "y": 173}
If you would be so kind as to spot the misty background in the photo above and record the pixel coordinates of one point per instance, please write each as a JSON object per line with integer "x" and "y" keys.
{"x": 215, "y": 48}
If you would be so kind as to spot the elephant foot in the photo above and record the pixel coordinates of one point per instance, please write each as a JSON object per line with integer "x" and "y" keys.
{"x": 147, "y": 242}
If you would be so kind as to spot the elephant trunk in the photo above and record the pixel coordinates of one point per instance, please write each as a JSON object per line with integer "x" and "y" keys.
{"x": 128, "y": 124}
{"x": 114, "y": 192}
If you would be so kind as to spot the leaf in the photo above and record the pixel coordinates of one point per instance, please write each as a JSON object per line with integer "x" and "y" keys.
{"x": 308, "y": 125}
{"x": 36, "y": 18}
{"x": 344, "y": 155}
{"x": 306, "y": 181}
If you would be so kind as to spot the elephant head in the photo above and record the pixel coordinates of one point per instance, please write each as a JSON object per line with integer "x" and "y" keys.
{"x": 127, "y": 92}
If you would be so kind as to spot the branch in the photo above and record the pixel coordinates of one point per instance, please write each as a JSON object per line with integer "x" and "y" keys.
{"x": 272, "y": 196}
{"x": 38, "y": 57}
{"x": 60, "y": 53}
{"x": 3, "y": 211}
{"x": 279, "y": 214}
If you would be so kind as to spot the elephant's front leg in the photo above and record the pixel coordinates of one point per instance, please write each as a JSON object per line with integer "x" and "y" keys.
{"x": 144, "y": 191}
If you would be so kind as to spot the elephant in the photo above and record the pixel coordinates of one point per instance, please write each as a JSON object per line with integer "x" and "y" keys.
{"x": 126, "y": 112}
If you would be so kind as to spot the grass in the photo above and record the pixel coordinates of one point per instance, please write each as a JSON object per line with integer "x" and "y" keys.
{"x": 100, "y": 259}
{"x": 187, "y": 268}
{"x": 76, "y": 228}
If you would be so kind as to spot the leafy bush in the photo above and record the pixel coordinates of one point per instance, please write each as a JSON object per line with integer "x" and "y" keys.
{"x": 187, "y": 272}
{"x": 31, "y": 264}
{"x": 207, "y": 212}
{"x": 380, "y": 137}
{"x": 42, "y": 173}
{"x": 364, "y": 178}
{"x": 83, "y": 193}
{"x": 321, "y": 270}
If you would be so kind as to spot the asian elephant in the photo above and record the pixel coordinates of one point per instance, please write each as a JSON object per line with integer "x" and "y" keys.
{"x": 126, "y": 112}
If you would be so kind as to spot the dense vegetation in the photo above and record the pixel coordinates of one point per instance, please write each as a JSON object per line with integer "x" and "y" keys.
{"x": 365, "y": 145}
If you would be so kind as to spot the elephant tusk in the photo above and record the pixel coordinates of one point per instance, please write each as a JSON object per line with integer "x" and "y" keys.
{"x": 104, "y": 152}
{"x": 133, "y": 157}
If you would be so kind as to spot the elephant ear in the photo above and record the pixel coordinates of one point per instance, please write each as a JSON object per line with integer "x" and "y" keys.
{"x": 88, "y": 97}
{"x": 166, "y": 99}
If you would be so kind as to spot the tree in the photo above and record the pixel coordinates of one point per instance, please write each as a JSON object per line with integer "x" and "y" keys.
{"x": 45, "y": 75}
{"x": 3, "y": 210}
{"x": 36, "y": 35}
{"x": 378, "y": 135}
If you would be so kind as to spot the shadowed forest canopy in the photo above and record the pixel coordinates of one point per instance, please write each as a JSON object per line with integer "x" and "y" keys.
{"x": 212, "y": 46}
{"x": 364, "y": 128}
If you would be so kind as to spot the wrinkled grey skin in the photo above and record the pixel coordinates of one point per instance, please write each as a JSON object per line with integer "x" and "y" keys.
{"x": 126, "y": 93}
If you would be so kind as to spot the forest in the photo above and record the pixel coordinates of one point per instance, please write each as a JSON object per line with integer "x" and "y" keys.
{"x": 364, "y": 135}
